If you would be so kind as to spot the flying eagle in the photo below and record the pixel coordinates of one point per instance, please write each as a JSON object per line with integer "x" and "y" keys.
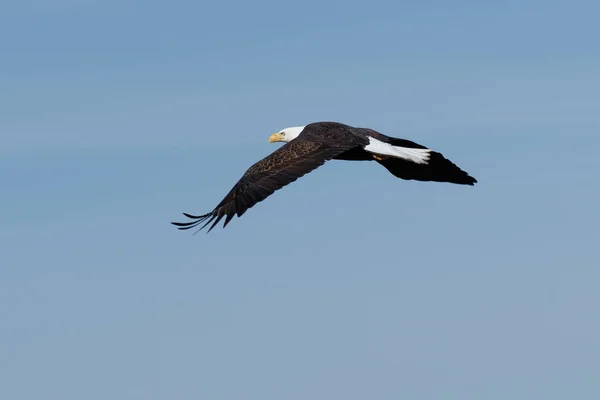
{"x": 308, "y": 147}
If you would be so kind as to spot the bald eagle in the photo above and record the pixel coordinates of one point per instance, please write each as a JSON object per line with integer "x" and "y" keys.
{"x": 308, "y": 147}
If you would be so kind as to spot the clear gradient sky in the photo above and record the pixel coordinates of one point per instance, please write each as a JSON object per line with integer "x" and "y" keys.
{"x": 116, "y": 116}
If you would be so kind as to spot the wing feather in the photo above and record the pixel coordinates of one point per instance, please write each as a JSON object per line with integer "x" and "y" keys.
{"x": 282, "y": 167}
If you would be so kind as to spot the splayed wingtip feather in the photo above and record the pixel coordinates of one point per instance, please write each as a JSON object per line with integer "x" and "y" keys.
{"x": 196, "y": 216}
{"x": 198, "y": 219}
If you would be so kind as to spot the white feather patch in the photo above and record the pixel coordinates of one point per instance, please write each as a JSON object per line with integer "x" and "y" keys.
{"x": 419, "y": 156}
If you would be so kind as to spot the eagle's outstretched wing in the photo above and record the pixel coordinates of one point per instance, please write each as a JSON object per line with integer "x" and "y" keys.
{"x": 282, "y": 167}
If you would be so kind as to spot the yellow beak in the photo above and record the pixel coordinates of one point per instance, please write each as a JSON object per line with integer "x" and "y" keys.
{"x": 276, "y": 137}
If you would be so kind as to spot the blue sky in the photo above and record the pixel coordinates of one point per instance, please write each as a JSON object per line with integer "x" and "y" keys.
{"x": 116, "y": 116}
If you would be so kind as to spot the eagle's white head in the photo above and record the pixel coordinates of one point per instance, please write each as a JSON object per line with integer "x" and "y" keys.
{"x": 286, "y": 135}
